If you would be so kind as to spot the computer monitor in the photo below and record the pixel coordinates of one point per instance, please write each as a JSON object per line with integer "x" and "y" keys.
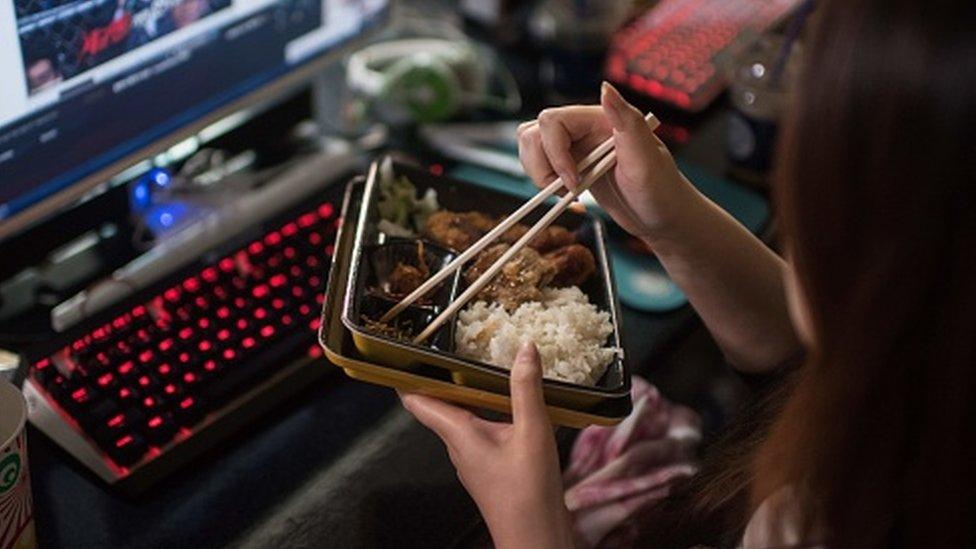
{"x": 90, "y": 86}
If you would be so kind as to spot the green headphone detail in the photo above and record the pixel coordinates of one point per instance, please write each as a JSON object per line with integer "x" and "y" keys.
{"x": 426, "y": 80}
{"x": 425, "y": 86}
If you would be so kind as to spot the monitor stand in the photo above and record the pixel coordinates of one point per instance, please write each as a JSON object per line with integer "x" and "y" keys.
{"x": 61, "y": 255}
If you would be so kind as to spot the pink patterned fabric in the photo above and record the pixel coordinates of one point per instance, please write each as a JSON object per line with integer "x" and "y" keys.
{"x": 615, "y": 471}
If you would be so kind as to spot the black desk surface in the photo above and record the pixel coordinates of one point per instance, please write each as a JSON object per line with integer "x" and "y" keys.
{"x": 314, "y": 469}
{"x": 340, "y": 465}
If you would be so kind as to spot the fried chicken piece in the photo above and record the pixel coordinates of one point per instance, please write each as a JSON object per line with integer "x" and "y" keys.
{"x": 574, "y": 264}
{"x": 457, "y": 230}
{"x": 514, "y": 233}
{"x": 553, "y": 237}
{"x": 520, "y": 280}
{"x": 460, "y": 230}
{"x": 481, "y": 222}
{"x": 403, "y": 280}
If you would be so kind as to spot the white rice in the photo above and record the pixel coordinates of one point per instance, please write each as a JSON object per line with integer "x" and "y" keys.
{"x": 568, "y": 330}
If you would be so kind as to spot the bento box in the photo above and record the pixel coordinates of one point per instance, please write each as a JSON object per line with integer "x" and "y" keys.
{"x": 361, "y": 288}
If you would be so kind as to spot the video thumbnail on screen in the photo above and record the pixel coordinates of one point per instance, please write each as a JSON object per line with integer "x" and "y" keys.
{"x": 61, "y": 39}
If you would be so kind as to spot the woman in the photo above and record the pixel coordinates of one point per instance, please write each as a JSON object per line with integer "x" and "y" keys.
{"x": 870, "y": 442}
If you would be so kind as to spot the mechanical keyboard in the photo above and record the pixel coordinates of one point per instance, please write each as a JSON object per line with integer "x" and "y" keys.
{"x": 673, "y": 52}
{"x": 165, "y": 374}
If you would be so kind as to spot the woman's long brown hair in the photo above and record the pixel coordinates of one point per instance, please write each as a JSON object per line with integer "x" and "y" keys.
{"x": 876, "y": 186}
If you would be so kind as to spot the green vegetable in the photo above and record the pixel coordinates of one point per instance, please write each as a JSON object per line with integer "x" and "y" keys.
{"x": 399, "y": 205}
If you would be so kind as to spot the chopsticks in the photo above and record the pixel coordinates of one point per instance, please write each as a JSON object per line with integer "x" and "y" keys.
{"x": 599, "y": 161}
{"x": 490, "y": 236}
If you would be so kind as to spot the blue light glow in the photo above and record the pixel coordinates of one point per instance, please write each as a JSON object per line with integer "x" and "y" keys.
{"x": 160, "y": 177}
{"x": 140, "y": 195}
{"x": 162, "y": 218}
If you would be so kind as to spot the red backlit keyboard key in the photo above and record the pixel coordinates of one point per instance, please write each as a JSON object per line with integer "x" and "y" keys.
{"x": 127, "y": 396}
{"x": 152, "y": 403}
{"x": 160, "y": 428}
{"x": 127, "y": 449}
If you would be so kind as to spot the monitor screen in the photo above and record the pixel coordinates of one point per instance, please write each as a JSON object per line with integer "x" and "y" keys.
{"x": 89, "y": 82}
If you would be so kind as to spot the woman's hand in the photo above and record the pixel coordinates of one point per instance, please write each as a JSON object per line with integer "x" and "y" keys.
{"x": 511, "y": 470}
{"x": 645, "y": 189}
{"x": 732, "y": 279}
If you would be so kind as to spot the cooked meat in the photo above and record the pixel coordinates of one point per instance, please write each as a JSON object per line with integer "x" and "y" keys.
{"x": 457, "y": 230}
{"x": 574, "y": 264}
{"x": 403, "y": 280}
{"x": 479, "y": 221}
{"x": 520, "y": 280}
{"x": 553, "y": 237}
{"x": 514, "y": 233}
{"x": 461, "y": 230}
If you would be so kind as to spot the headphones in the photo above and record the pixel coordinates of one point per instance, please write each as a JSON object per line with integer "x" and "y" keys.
{"x": 429, "y": 79}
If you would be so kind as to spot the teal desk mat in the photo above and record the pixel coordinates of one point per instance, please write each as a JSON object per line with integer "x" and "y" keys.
{"x": 641, "y": 280}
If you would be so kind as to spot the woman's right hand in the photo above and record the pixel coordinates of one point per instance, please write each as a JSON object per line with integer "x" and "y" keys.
{"x": 645, "y": 189}
{"x": 733, "y": 280}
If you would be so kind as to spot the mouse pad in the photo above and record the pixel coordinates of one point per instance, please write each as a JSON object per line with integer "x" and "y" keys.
{"x": 641, "y": 280}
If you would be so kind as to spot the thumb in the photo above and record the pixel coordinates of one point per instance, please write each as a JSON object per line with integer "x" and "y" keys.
{"x": 633, "y": 135}
{"x": 528, "y": 403}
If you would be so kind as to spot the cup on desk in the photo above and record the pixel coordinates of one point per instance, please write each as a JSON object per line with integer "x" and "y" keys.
{"x": 761, "y": 79}
{"x": 16, "y": 504}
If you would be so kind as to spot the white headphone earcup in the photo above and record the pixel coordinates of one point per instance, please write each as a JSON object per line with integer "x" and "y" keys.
{"x": 474, "y": 66}
{"x": 473, "y": 71}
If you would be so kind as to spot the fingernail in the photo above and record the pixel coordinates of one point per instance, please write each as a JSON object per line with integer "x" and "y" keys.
{"x": 524, "y": 367}
{"x": 605, "y": 92}
{"x": 569, "y": 179}
{"x": 526, "y": 352}
{"x": 611, "y": 99}
{"x": 613, "y": 94}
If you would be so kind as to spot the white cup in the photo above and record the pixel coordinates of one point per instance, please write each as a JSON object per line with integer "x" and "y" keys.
{"x": 16, "y": 504}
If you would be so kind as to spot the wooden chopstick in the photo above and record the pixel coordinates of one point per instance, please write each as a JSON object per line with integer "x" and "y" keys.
{"x": 494, "y": 233}
{"x": 598, "y": 171}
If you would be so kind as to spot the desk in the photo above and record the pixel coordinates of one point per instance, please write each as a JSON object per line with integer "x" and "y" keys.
{"x": 340, "y": 466}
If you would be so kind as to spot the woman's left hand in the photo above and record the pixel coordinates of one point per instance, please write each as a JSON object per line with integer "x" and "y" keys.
{"x": 510, "y": 469}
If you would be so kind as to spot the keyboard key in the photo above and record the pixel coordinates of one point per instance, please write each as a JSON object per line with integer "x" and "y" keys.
{"x": 160, "y": 428}
{"x": 189, "y": 410}
{"x": 127, "y": 396}
{"x": 81, "y": 399}
{"x": 127, "y": 449}
{"x": 152, "y": 403}
{"x": 102, "y": 411}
